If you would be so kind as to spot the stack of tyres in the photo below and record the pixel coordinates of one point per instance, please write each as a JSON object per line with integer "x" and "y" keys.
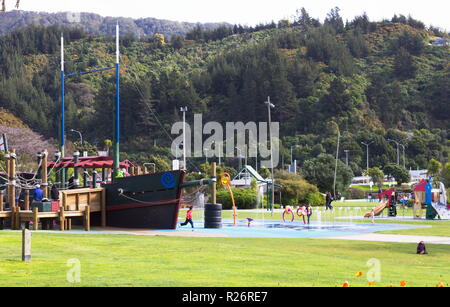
{"x": 213, "y": 216}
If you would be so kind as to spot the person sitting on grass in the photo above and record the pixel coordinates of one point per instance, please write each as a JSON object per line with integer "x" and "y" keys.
{"x": 189, "y": 217}
{"x": 422, "y": 249}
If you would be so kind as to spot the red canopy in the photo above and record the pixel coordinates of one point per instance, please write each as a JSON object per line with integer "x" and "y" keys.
{"x": 88, "y": 162}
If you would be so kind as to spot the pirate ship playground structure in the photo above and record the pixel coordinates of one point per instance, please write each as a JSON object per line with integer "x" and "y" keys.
{"x": 140, "y": 200}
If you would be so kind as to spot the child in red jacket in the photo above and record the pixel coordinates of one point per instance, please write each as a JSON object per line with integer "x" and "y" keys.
{"x": 189, "y": 217}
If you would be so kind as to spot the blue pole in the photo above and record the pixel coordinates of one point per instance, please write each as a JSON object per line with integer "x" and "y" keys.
{"x": 117, "y": 109}
{"x": 63, "y": 117}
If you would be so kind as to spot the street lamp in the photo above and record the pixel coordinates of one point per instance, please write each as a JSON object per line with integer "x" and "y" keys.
{"x": 346, "y": 156}
{"x": 404, "y": 158}
{"x": 398, "y": 150}
{"x": 184, "y": 110}
{"x": 337, "y": 158}
{"x": 206, "y": 154}
{"x": 271, "y": 106}
{"x": 240, "y": 158}
{"x": 367, "y": 145}
{"x": 292, "y": 157}
{"x": 79, "y": 133}
{"x": 220, "y": 151}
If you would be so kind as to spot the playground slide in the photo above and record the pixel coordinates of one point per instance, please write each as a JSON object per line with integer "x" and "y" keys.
{"x": 442, "y": 211}
{"x": 379, "y": 209}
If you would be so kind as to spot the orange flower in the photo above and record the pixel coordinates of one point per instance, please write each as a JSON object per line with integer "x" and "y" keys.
{"x": 371, "y": 283}
{"x": 441, "y": 285}
{"x": 403, "y": 283}
{"x": 346, "y": 285}
{"x": 359, "y": 274}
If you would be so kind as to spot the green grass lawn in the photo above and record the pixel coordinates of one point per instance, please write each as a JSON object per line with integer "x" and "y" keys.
{"x": 120, "y": 260}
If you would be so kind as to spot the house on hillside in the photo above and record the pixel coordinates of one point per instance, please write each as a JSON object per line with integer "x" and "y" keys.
{"x": 441, "y": 42}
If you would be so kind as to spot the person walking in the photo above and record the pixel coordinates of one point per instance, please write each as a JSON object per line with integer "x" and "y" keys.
{"x": 309, "y": 213}
{"x": 328, "y": 200}
{"x": 189, "y": 217}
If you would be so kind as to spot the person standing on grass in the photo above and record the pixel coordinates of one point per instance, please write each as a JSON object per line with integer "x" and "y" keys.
{"x": 328, "y": 199}
{"x": 189, "y": 217}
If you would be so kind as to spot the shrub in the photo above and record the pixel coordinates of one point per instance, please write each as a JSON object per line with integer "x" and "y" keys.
{"x": 316, "y": 199}
{"x": 244, "y": 199}
{"x": 294, "y": 192}
{"x": 356, "y": 194}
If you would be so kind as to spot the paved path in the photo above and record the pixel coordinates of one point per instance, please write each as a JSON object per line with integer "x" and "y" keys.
{"x": 395, "y": 238}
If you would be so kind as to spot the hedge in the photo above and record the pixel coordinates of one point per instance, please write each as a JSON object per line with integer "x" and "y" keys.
{"x": 244, "y": 199}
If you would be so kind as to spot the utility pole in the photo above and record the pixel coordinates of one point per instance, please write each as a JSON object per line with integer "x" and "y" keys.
{"x": 404, "y": 157}
{"x": 184, "y": 110}
{"x": 271, "y": 106}
{"x": 79, "y": 133}
{"x": 368, "y": 145}
{"x": 292, "y": 155}
{"x": 240, "y": 157}
{"x": 398, "y": 150}
{"x": 337, "y": 158}
{"x": 346, "y": 156}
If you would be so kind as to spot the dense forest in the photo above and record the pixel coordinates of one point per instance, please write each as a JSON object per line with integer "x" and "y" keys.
{"x": 376, "y": 80}
{"x": 98, "y": 25}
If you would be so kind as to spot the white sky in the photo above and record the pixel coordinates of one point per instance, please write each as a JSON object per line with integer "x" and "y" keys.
{"x": 246, "y": 12}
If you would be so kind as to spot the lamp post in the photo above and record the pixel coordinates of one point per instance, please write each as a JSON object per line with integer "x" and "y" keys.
{"x": 367, "y": 145}
{"x": 240, "y": 157}
{"x": 404, "y": 157}
{"x": 292, "y": 155}
{"x": 337, "y": 158}
{"x": 220, "y": 151}
{"x": 206, "y": 154}
{"x": 346, "y": 156}
{"x": 398, "y": 150}
{"x": 269, "y": 107}
{"x": 79, "y": 133}
{"x": 184, "y": 110}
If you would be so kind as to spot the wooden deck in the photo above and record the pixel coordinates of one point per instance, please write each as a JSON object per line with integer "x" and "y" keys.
{"x": 78, "y": 203}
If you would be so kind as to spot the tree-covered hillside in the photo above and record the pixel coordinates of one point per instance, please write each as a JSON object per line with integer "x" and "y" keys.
{"x": 96, "y": 24}
{"x": 376, "y": 80}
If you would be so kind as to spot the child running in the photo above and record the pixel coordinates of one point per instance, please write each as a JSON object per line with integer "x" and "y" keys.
{"x": 189, "y": 217}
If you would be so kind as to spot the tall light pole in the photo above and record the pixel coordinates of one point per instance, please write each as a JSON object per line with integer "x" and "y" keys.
{"x": 271, "y": 106}
{"x": 79, "y": 133}
{"x": 184, "y": 110}
{"x": 256, "y": 157}
{"x": 240, "y": 157}
{"x": 337, "y": 158}
{"x": 292, "y": 155}
{"x": 398, "y": 150}
{"x": 346, "y": 156}
{"x": 404, "y": 157}
{"x": 206, "y": 154}
{"x": 220, "y": 151}
{"x": 367, "y": 145}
